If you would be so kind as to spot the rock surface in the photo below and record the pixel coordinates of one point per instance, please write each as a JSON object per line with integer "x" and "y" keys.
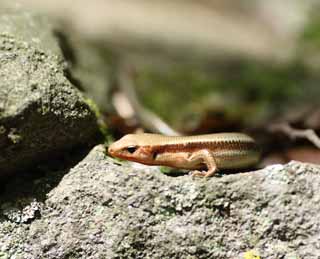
{"x": 104, "y": 209}
{"x": 41, "y": 112}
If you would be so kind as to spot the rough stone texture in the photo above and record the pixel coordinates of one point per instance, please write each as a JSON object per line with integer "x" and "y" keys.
{"x": 41, "y": 112}
{"x": 104, "y": 209}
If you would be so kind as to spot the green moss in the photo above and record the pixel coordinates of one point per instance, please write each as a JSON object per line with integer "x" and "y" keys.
{"x": 93, "y": 106}
{"x": 101, "y": 123}
{"x": 311, "y": 33}
{"x": 181, "y": 92}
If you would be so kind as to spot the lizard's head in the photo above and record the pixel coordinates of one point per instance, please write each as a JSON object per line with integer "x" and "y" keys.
{"x": 133, "y": 147}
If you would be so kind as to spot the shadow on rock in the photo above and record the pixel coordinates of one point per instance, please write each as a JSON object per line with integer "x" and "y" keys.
{"x": 23, "y": 195}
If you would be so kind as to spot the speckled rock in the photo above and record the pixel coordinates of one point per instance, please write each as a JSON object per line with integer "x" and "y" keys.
{"x": 41, "y": 112}
{"x": 104, "y": 209}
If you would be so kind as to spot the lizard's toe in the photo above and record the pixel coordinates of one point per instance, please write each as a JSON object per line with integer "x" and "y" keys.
{"x": 198, "y": 173}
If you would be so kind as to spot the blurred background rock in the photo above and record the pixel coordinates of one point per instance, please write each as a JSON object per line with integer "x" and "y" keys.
{"x": 201, "y": 66}
{"x": 243, "y": 62}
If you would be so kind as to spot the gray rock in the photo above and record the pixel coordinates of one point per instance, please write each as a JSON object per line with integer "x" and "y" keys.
{"x": 41, "y": 112}
{"x": 104, "y": 209}
{"x": 93, "y": 67}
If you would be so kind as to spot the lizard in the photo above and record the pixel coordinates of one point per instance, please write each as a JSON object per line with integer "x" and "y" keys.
{"x": 204, "y": 154}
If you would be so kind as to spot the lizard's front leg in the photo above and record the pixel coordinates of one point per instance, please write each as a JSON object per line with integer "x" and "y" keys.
{"x": 206, "y": 157}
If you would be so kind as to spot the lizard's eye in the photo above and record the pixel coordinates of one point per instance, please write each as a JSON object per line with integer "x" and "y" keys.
{"x": 131, "y": 149}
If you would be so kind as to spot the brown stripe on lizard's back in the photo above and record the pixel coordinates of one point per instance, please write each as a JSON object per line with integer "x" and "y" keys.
{"x": 212, "y": 145}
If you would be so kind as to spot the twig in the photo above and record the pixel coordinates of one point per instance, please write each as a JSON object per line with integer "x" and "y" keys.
{"x": 148, "y": 119}
{"x": 293, "y": 133}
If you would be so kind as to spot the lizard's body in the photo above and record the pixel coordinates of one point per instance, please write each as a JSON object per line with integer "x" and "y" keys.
{"x": 211, "y": 151}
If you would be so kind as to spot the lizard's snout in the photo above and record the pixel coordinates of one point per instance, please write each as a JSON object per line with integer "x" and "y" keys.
{"x": 111, "y": 150}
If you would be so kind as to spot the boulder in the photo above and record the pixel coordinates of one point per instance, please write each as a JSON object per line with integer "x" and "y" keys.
{"x": 106, "y": 209}
{"x": 41, "y": 112}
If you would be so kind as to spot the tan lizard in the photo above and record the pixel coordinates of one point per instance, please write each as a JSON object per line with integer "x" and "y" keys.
{"x": 209, "y": 152}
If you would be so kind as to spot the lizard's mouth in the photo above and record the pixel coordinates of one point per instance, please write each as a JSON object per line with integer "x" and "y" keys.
{"x": 111, "y": 151}
{"x": 119, "y": 154}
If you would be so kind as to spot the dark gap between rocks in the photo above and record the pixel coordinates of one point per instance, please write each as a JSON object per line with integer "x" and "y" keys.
{"x": 70, "y": 57}
{"x": 21, "y": 190}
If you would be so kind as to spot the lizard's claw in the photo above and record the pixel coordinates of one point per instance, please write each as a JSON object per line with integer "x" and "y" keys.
{"x": 203, "y": 173}
{"x": 198, "y": 173}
